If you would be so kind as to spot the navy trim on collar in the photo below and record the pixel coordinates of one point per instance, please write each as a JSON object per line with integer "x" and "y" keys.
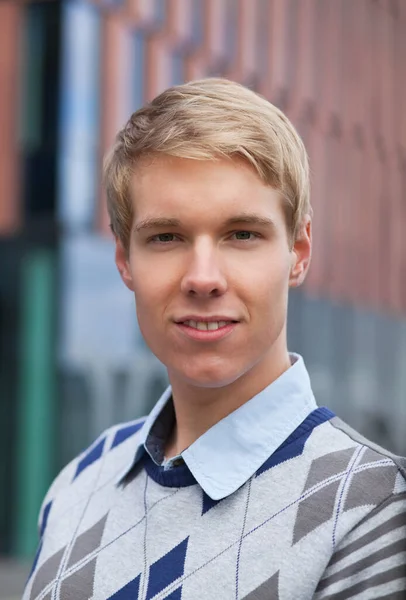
{"x": 181, "y": 476}
{"x": 229, "y": 453}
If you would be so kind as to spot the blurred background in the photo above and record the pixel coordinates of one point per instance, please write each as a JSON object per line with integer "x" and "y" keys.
{"x": 72, "y": 360}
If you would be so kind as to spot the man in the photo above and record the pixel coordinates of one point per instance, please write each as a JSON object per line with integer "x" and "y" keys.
{"x": 236, "y": 485}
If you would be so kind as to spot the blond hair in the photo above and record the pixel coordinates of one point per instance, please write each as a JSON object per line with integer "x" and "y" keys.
{"x": 206, "y": 120}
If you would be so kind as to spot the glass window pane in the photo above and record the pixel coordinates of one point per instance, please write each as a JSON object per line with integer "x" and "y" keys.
{"x": 79, "y": 114}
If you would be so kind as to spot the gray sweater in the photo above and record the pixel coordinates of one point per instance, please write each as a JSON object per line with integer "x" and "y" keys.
{"x": 324, "y": 518}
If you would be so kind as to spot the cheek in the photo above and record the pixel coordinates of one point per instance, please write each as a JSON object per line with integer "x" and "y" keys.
{"x": 146, "y": 278}
{"x": 148, "y": 319}
{"x": 154, "y": 287}
{"x": 268, "y": 308}
{"x": 267, "y": 285}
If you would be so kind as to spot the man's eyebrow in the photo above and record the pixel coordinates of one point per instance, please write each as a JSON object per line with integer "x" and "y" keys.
{"x": 156, "y": 222}
{"x": 250, "y": 219}
{"x": 243, "y": 218}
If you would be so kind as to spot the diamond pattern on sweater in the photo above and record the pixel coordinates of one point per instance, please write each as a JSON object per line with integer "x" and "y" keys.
{"x": 191, "y": 555}
{"x": 370, "y": 456}
{"x": 176, "y": 595}
{"x": 371, "y": 486}
{"x": 267, "y": 590}
{"x": 36, "y": 557}
{"x": 125, "y": 432}
{"x": 46, "y": 573}
{"x": 44, "y": 523}
{"x": 315, "y": 510}
{"x": 129, "y": 591}
{"x": 90, "y": 457}
{"x": 284, "y": 453}
{"x": 80, "y": 583}
{"x": 328, "y": 465}
{"x": 208, "y": 503}
{"x": 87, "y": 542}
{"x": 45, "y": 516}
{"x": 167, "y": 569}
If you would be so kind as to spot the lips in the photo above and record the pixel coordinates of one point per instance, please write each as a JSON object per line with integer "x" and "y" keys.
{"x": 206, "y": 319}
{"x": 206, "y": 325}
{"x": 207, "y": 331}
{"x": 203, "y": 328}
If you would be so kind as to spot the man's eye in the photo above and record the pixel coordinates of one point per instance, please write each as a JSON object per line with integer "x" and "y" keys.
{"x": 244, "y": 235}
{"x": 163, "y": 238}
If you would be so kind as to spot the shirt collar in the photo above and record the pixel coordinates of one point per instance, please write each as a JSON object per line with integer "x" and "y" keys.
{"x": 230, "y": 452}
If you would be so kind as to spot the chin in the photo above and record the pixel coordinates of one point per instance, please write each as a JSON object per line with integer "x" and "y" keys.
{"x": 209, "y": 383}
{"x": 210, "y": 377}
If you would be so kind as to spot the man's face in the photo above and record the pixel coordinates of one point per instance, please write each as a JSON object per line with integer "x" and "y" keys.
{"x": 210, "y": 265}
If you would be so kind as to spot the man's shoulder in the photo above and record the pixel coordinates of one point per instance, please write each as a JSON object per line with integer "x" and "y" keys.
{"x": 368, "y": 516}
{"x": 100, "y": 462}
{"x": 368, "y": 473}
{"x": 371, "y": 452}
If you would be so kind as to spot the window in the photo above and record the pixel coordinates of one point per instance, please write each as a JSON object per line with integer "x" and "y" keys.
{"x": 79, "y": 114}
{"x": 38, "y": 125}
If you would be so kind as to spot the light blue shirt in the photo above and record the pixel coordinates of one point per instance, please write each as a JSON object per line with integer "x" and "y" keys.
{"x": 229, "y": 453}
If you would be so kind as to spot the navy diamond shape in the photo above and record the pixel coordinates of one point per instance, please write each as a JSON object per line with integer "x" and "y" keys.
{"x": 294, "y": 445}
{"x": 41, "y": 534}
{"x": 176, "y": 595}
{"x": 284, "y": 453}
{"x": 45, "y": 518}
{"x": 129, "y": 591}
{"x": 167, "y": 569}
{"x": 36, "y": 557}
{"x": 125, "y": 432}
{"x": 208, "y": 503}
{"x": 91, "y": 456}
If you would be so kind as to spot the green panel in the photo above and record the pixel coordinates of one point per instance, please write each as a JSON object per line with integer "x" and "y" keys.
{"x": 36, "y": 411}
{"x": 9, "y": 298}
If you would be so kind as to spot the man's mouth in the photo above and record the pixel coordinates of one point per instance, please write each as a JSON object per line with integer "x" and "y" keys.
{"x": 207, "y": 325}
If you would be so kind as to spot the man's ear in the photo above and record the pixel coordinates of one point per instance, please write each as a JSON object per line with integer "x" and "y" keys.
{"x": 123, "y": 265}
{"x": 301, "y": 253}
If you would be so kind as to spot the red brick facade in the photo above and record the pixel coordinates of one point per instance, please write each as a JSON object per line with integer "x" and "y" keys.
{"x": 335, "y": 67}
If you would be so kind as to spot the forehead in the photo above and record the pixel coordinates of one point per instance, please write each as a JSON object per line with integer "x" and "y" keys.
{"x": 185, "y": 188}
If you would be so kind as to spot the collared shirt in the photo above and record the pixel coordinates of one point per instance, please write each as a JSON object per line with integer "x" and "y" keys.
{"x": 315, "y": 509}
{"x": 229, "y": 453}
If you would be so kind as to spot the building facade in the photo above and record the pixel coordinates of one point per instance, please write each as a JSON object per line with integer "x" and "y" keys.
{"x": 71, "y": 73}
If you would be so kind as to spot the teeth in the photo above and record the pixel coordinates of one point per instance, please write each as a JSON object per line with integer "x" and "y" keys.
{"x": 206, "y": 326}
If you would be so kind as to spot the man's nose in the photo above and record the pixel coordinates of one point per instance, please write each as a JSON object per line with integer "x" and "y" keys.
{"x": 204, "y": 276}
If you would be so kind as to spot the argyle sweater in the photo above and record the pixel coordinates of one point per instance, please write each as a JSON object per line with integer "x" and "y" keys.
{"x": 324, "y": 517}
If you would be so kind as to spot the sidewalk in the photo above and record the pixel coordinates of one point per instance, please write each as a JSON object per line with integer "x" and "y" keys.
{"x": 13, "y": 576}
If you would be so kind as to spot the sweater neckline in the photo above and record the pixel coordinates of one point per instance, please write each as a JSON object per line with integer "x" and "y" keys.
{"x": 180, "y": 476}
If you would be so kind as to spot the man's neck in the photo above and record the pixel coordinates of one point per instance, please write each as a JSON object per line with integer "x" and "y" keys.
{"x": 197, "y": 409}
